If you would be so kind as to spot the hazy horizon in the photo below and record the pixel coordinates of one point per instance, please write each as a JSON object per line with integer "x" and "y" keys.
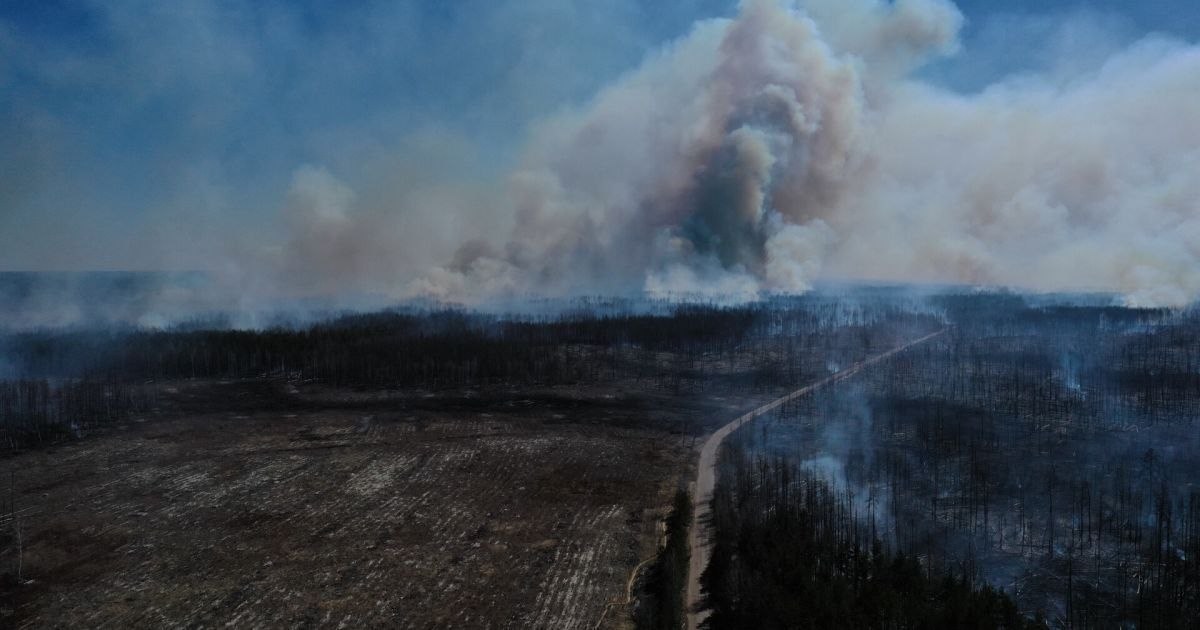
{"x": 295, "y": 151}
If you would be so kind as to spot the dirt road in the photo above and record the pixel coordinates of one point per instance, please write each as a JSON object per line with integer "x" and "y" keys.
{"x": 706, "y": 475}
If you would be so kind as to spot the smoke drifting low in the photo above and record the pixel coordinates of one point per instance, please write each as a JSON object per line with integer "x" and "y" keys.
{"x": 792, "y": 143}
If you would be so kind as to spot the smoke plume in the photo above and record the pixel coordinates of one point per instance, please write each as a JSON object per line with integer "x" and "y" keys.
{"x": 795, "y": 142}
{"x": 359, "y": 154}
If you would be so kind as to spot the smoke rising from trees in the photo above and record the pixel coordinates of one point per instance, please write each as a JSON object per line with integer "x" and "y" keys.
{"x": 794, "y": 142}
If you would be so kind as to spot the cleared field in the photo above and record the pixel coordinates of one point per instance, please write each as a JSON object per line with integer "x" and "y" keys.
{"x": 409, "y": 512}
{"x": 388, "y": 470}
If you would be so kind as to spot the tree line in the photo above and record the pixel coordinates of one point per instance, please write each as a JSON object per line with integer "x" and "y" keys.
{"x": 692, "y": 348}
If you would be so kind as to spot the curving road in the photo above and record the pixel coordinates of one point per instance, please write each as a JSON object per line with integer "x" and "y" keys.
{"x": 706, "y": 475}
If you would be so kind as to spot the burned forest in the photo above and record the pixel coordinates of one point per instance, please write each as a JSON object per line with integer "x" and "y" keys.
{"x": 1031, "y": 461}
{"x": 432, "y": 467}
{"x": 1045, "y": 453}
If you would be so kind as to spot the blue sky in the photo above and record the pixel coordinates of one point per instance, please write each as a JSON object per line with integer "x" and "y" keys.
{"x": 141, "y": 134}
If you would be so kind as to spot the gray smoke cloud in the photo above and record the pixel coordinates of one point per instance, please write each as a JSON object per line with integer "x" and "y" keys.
{"x": 387, "y": 150}
{"x": 795, "y": 142}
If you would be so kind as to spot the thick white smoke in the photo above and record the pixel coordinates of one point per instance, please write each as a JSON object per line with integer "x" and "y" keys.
{"x": 793, "y": 142}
